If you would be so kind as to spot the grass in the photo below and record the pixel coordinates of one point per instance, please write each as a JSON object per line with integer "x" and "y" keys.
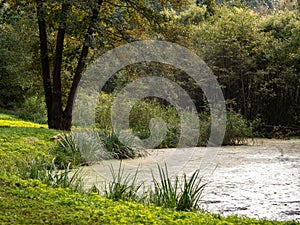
{"x": 40, "y": 169}
{"x": 180, "y": 194}
{"x": 123, "y": 186}
{"x": 12, "y": 121}
{"x": 89, "y": 146}
{"x": 22, "y": 142}
{"x": 115, "y": 147}
{"x": 30, "y": 201}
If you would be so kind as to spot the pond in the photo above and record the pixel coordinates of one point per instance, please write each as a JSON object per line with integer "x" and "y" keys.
{"x": 259, "y": 180}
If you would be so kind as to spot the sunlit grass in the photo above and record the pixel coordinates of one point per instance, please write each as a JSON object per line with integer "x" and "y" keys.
{"x": 11, "y": 121}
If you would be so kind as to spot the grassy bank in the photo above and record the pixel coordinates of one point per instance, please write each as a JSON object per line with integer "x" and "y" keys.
{"x": 27, "y": 201}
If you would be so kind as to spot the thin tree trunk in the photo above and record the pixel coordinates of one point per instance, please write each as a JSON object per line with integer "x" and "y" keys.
{"x": 44, "y": 57}
{"x": 56, "y": 120}
{"x": 80, "y": 66}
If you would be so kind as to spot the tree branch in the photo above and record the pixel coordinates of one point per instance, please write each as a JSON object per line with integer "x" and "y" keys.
{"x": 82, "y": 60}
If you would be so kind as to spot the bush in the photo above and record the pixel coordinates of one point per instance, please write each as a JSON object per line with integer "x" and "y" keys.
{"x": 33, "y": 109}
{"x": 140, "y": 116}
{"x": 237, "y": 130}
{"x": 67, "y": 151}
{"x": 144, "y": 111}
{"x": 80, "y": 148}
{"x": 181, "y": 194}
{"x": 86, "y": 147}
{"x": 204, "y": 133}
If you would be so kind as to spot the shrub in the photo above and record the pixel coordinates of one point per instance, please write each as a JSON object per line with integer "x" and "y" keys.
{"x": 181, "y": 194}
{"x": 204, "y": 132}
{"x": 33, "y": 109}
{"x": 116, "y": 148}
{"x": 237, "y": 129}
{"x": 67, "y": 151}
{"x": 103, "y": 111}
{"x": 140, "y": 116}
{"x": 191, "y": 192}
{"x": 81, "y": 148}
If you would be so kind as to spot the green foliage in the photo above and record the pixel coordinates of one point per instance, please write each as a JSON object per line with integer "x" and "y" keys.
{"x": 48, "y": 173}
{"x": 211, "y": 7}
{"x": 20, "y": 145}
{"x": 237, "y": 130}
{"x": 33, "y": 109}
{"x": 193, "y": 15}
{"x": 67, "y": 151}
{"x": 13, "y": 120}
{"x": 140, "y": 120}
{"x": 191, "y": 192}
{"x": 17, "y": 72}
{"x": 256, "y": 61}
{"x": 140, "y": 117}
{"x": 86, "y": 147}
{"x": 24, "y": 152}
{"x": 123, "y": 187}
{"x": 175, "y": 194}
{"x": 103, "y": 111}
{"x": 32, "y": 202}
{"x": 181, "y": 194}
{"x": 115, "y": 148}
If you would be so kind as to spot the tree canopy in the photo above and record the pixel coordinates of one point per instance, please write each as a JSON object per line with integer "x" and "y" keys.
{"x": 253, "y": 51}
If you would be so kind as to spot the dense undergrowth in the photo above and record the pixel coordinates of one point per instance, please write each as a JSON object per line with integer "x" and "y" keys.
{"x": 30, "y": 201}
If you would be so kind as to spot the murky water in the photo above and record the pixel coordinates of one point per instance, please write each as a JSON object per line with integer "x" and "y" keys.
{"x": 260, "y": 180}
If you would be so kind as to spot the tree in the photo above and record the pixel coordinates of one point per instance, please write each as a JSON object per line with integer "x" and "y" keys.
{"x": 256, "y": 61}
{"x": 16, "y": 53}
{"x": 57, "y": 117}
{"x": 127, "y": 16}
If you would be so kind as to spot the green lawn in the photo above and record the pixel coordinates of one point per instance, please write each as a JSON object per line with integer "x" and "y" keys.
{"x": 32, "y": 202}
